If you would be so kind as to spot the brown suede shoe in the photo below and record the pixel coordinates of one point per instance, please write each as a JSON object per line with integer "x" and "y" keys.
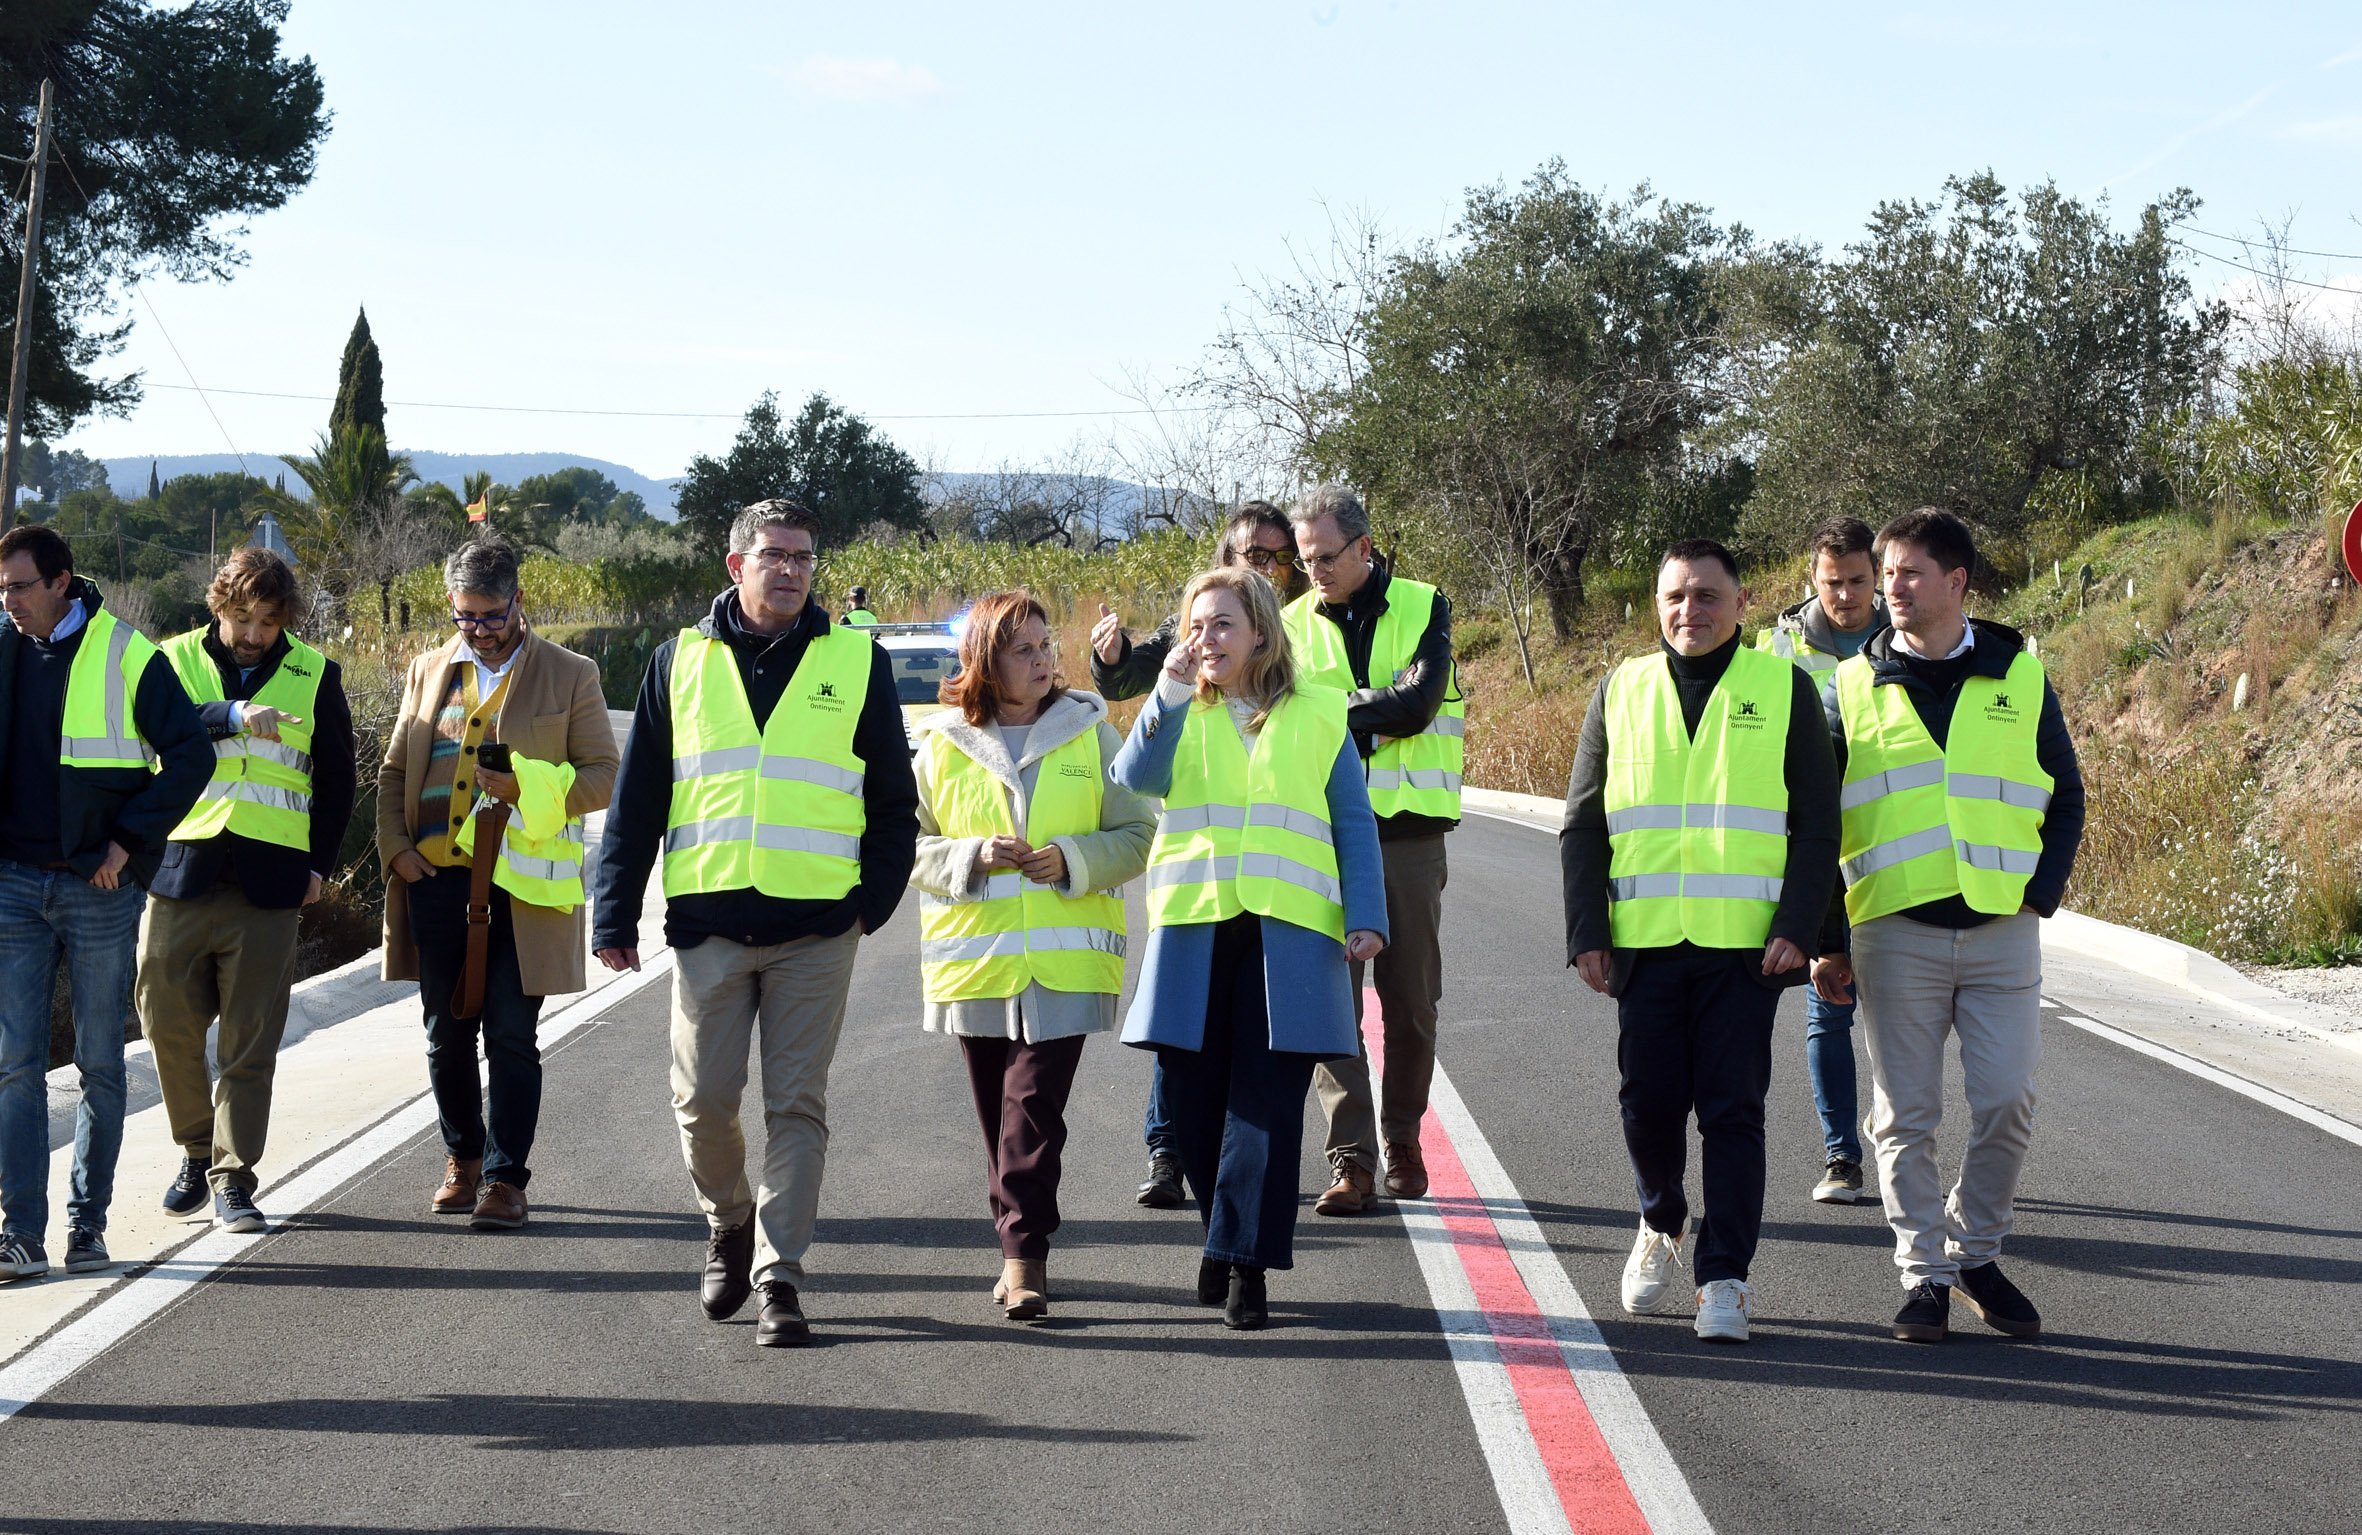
{"x": 1354, "y": 1193}
{"x": 1022, "y": 1286}
{"x": 501, "y": 1209}
{"x": 1406, "y": 1170}
{"x": 457, "y": 1196}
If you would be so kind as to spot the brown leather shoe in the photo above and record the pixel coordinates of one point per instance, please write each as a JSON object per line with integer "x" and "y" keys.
{"x": 1022, "y": 1286}
{"x": 461, "y": 1179}
{"x": 1354, "y": 1193}
{"x": 501, "y": 1209}
{"x": 1406, "y": 1170}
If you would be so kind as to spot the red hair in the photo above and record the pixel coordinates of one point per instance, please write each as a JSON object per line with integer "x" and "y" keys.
{"x": 992, "y": 623}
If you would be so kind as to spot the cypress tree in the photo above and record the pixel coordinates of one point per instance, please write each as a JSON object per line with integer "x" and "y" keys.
{"x": 155, "y": 488}
{"x": 360, "y": 383}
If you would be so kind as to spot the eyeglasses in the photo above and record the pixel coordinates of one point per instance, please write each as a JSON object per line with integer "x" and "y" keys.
{"x": 495, "y": 622}
{"x": 1266, "y": 559}
{"x": 771, "y": 557}
{"x": 1322, "y": 564}
{"x": 19, "y": 588}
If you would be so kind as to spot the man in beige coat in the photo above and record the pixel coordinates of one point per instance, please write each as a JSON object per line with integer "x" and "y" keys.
{"x": 495, "y": 682}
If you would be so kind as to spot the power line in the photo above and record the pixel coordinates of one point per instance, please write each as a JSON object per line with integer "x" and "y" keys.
{"x": 2290, "y": 249}
{"x": 2260, "y": 272}
{"x": 682, "y": 415}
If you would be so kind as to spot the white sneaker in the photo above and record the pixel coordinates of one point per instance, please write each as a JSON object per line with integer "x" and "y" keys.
{"x": 1723, "y": 1308}
{"x": 1649, "y": 1289}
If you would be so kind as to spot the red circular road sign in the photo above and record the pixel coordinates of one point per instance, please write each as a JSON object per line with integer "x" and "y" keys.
{"x": 2353, "y": 542}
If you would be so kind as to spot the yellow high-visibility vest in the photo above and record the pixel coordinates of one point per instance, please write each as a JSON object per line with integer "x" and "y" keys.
{"x": 102, "y": 687}
{"x": 1418, "y": 775}
{"x": 777, "y": 810}
{"x": 260, "y": 789}
{"x": 1243, "y": 833}
{"x": 1920, "y": 824}
{"x": 1697, "y": 826}
{"x": 1015, "y": 932}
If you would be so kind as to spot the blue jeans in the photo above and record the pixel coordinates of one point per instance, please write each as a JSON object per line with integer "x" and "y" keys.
{"x": 1238, "y": 1111}
{"x": 1158, "y": 1130}
{"x": 494, "y": 1122}
{"x": 44, "y": 912}
{"x": 1829, "y": 1060}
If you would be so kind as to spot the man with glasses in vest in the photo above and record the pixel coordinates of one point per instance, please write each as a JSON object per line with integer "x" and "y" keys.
{"x": 490, "y": 930}
{"x": 1963, "y": 808}
{"x": 218, "y": 941}
{"x": 1259, "y": 538}
{"x": 101, "y": 758}
{"x": 1386, "y": 642}
{"x": 1698, "y": 853}
{"x": 767, "y": 764}
{"x": 1834, "y": 623}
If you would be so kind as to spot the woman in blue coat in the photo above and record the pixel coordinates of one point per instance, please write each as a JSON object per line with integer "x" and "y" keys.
{"x": 1263, "y": 883}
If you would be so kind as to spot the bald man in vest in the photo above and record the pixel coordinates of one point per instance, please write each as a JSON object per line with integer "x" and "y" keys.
{"x": 1963, "y": 807}
{"x": 1698, "y": 852}
{"x": 768, "y": 765}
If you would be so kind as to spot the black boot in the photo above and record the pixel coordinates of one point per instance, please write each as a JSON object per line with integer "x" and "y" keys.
{"x": 781, "y": 1323}
{"x": 729, "y": 1267}
{"x": 1247, "y": 1309}
{"x": 1213, "y": 1281}
{"x": 1162, "y": 1191}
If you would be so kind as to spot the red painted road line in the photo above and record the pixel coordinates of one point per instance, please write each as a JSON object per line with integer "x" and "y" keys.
{"x": 1591, "y": 1487}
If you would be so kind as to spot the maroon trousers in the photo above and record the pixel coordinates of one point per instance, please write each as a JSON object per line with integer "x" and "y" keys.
{"x": 1020, "y": 1091}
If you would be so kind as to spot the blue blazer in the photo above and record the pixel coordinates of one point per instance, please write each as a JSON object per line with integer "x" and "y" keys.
{"x": 1307, "y": 984}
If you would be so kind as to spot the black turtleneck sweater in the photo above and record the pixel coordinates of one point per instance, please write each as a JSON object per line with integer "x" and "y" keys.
{"x": 1811, "y": 771}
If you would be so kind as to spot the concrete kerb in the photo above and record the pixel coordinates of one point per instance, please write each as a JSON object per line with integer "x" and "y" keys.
{"x": 2191, "y": 970}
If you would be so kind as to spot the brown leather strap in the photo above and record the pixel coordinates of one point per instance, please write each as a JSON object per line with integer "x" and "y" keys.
{"x": 467, "y": 999}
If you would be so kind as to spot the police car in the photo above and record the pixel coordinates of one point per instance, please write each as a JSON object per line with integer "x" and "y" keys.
{"x": 924, "y": 657}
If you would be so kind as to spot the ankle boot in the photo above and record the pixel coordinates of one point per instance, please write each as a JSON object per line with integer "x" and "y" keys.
{"x": 1022, "y": 1281}
{"x": 1213, "y": 1281}
{"x": 1247, "y": 1309}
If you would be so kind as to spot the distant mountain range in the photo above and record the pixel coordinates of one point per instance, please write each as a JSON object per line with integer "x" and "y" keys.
{"x": 129, "y": 476}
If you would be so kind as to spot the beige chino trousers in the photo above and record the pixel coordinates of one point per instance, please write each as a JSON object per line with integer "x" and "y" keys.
{"x": 786, "y": 1001}
{"x": 216, "y": 955}
{"x": 1408, "y": 977}
{"x": 1918, "y": 985}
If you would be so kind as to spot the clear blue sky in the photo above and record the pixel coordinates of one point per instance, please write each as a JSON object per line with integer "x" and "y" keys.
{"x": 936, "y": 210}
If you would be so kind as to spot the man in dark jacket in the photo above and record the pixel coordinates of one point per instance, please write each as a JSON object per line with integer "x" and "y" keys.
{"x": 218, "y": 942}
{"x": 787, "y": 818}
{"x": 101, "y": 754}
{"x": 1385, "y": 641}
{"x": 1698, "y": 851}
{"x": 1963, "y": 813}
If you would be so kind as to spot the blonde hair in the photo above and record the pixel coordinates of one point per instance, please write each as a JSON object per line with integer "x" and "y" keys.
{"x": 1269, "y": 675}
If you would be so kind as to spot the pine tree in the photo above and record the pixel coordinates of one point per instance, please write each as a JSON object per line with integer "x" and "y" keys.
{"x": 360, "y": 383}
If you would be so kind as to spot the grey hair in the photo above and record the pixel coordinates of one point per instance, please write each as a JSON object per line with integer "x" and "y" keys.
{"x": 1332, "y": 500}
{"x": 778, "y": 512}
{"x": 483, "y": 567}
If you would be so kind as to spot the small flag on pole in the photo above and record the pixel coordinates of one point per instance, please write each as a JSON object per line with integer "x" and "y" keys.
{"x": 480, "y": 509}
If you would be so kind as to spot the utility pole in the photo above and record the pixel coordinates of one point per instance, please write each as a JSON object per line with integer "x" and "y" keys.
{"x": 12, "y": 458}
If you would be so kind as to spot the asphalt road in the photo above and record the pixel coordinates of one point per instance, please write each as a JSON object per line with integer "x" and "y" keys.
{"x": 371, "y": 1367}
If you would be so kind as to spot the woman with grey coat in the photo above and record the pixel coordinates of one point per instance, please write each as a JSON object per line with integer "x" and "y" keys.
{"x": 1024, "y": 841}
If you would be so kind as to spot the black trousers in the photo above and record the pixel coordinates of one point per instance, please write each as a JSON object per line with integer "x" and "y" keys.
{"x": 496, "y": 1125}
{"x": 1694, "y": 1035}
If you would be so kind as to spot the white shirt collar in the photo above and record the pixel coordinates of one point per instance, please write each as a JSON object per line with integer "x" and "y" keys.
{"x": 1968, "y": 640}
{"x": 76, "y": 616}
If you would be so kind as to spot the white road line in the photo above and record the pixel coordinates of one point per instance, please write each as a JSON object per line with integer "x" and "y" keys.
{"x": 1657, "y": 1484}
{"x": 2221, "y": 1078}
{"x": 41, "y": 1368}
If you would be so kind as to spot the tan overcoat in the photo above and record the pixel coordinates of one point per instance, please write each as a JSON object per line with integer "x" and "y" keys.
{"x": 554, "y": 712}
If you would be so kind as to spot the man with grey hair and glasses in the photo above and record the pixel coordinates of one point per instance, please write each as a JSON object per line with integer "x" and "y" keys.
{"x": 768, "y": 766}
{"x": 1385, "y": 641}
{"x": 503, "y": 732}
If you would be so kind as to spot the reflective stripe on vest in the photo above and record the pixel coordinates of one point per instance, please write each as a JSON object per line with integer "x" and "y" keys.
{"x": 259, "y": 789}
{"x": 1418, "y": 775}
{"x": 97, "y": 730}
{"x": 1015, "y": 932}
{"x": 1786, "y": 643}
{"x": 777, "y": 810}
{"x": 1251, "y": 833}
{"x": 1919, "y": 824}
{"x": 1697, "y": 827}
